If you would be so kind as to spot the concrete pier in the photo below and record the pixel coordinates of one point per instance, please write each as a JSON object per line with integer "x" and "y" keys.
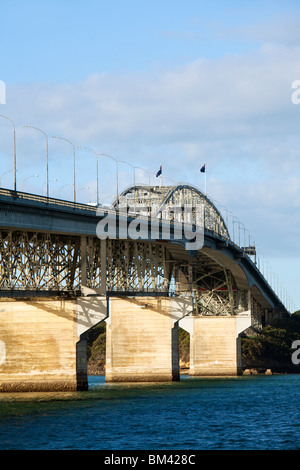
{"x": 42, "y": 346}
{"x": 215, "y": 344}
{"x": 142, "y": 339}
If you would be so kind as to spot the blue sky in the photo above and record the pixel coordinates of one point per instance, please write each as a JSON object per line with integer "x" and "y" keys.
{"x": 162, "y": 82}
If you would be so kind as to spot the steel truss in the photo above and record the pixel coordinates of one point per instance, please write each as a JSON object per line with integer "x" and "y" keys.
{"x": 38, "y": 261}
{"x": 171, "y": 203}
{"x": 44, "y": 262}
{"x": 213, "y": 287}
{"x": 33, "y": 261}
{"x": 135, "y": 266}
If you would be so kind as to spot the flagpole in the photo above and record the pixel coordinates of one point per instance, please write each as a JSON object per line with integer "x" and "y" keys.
{"x": 203, "y": 170}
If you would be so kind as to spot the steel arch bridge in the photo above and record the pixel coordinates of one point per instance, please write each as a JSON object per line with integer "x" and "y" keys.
{"x": 50, "y": 247}
{"x": 169, "y": 203}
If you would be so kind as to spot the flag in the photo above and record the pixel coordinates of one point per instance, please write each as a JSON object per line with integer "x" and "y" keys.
{"x": 159, "y": 171}
{"x": 203, "y": 168}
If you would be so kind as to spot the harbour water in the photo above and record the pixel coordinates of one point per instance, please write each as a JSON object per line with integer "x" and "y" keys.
{"x": 238, "y": 413}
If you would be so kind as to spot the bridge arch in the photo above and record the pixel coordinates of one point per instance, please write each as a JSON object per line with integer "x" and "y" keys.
{"x": 169, "y": 202}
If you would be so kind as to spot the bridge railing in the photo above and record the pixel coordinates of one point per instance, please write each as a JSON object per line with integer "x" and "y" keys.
{"x": 46, "y": 200}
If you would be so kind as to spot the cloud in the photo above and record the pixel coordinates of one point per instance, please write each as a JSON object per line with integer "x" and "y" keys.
{"x": 233, "y": 112}
{"x": 283, "y": 30}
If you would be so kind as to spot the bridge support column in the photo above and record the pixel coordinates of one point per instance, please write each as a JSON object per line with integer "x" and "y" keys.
{"x": 142, "y": 339}
{"x": 215, "y": 344}
{"x": 42, "y": 344}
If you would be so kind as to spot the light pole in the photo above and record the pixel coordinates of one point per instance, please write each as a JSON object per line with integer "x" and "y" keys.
{"x": 233, "y": 222}
{"x": 68, "y": 184}
{"x": 84, "y": 187}
{"x": 74, "y": 183}
{"x": 97, "y": 155}
{"x": 9, "y": 171}
{"x": 47, "y": 185}
{"x": 15, "y": 163}
{"x": 32, "y": 176}
{"x": 47, "y": 169}
{"x": 144, "y": 169}
{"x": 133, "y": 168}
{"x": 117, "y": 171}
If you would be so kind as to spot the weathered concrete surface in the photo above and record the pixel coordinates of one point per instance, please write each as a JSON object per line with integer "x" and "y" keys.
{"x": 40, "y": 344}
{"x": 142, "y": 339}
{"x": 215, "y": 344}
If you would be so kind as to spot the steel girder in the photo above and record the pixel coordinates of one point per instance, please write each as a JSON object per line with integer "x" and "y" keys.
{"x": 44, "y": 262}
{"x": 33, "y": 261}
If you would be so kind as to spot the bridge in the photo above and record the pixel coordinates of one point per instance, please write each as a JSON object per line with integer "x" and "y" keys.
{"x": 160, "y": 257}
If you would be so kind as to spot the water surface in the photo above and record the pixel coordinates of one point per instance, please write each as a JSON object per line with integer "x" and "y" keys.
{"x": 238, "y": 413}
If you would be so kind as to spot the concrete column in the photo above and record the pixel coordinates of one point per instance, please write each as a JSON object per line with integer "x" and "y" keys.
{"x": 42, "y": 344}
{"x": 142, "y": 339}
{"x": 215, "y": 344}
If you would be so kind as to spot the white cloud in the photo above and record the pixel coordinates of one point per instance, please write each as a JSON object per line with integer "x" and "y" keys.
{"x": 234, "y": 113}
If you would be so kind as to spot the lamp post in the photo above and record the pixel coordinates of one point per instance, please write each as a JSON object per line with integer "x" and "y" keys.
{"x": 234, "y": 219}
{"x": 47, "y": 169}
{"x": 32, "y": 176}
{"x": 15, "y": 163}
{"x": 97, "y": 155}
{"x": 74, "y": 183}
{"x": 68, "y": 184}
{"x": 144, "y": 169}
{"x": 117, "y": 172}
{"x": 9, "y": 171}
{"x": 47, "y": 186}
{"x": 133, "y": 168}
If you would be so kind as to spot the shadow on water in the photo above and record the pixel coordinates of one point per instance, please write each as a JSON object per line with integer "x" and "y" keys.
{"x": 195, "y": 412}
{"x": 101, "y": 390}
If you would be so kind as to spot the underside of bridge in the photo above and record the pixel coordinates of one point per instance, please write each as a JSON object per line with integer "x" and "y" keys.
{"x": 55, "y": 286}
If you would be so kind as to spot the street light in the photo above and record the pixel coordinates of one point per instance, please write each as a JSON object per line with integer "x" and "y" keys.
{"x": 15, "y": 164}
{"x": 68, "y": 184}
{"x": 144, "y": 169}
{"x": 32, "y": 176}
{"x": 47, "y": 170}
{"x": 97, "y": 155}
{"x": 9, "y": 171}
{"x": 83, "y": 187}
{"x": 80, "y": 189}
{"x": 133, "y": 168}
{"x": 47, "y": 182}
{"x": 117, "y": 172}
{"x": 62, "y": 138}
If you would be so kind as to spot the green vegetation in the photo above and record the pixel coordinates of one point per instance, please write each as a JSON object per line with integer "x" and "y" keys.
{"x": 96, "y": 342}
{"x": 272, "y": 349}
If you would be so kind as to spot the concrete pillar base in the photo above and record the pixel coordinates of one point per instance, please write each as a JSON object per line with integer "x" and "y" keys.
{"x": 142, "y": 339}
{"x": 41, "y": 343}
{"x": 215, "y": 344}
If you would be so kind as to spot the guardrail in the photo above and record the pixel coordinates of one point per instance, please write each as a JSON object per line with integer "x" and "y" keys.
{"x": 46, "y": 200}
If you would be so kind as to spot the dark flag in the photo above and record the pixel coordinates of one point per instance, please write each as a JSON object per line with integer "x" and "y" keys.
{"x": 203, "y": 169}
{"x": 159, "y": 171}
